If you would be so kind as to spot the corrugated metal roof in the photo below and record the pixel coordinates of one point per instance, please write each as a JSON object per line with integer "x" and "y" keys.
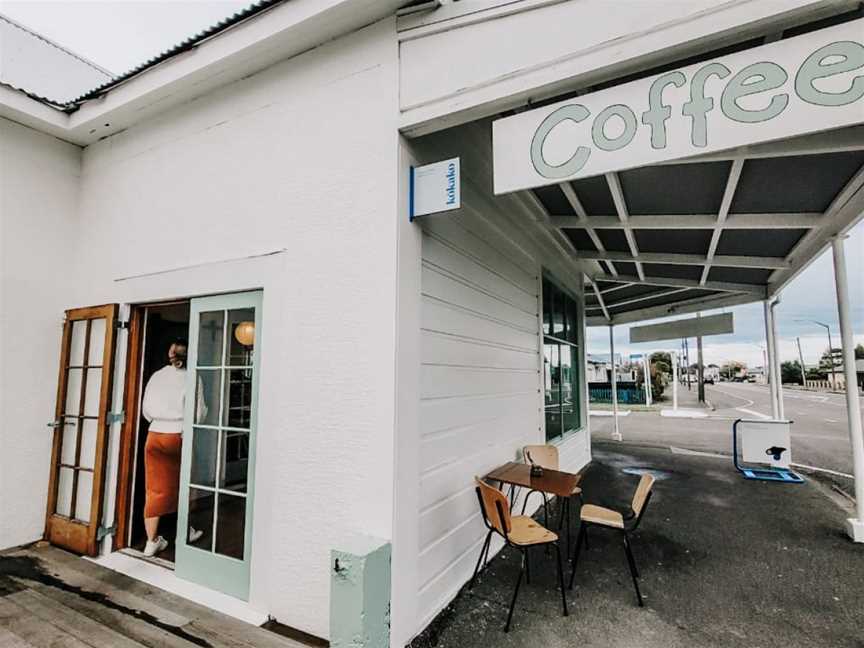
{"x": 41, "y": 68}
{"x": 185, "y": 45}
{"x": 70, "y": 105}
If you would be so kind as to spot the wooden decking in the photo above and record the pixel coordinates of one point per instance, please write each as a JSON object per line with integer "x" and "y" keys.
{"x": 49, "y": 597}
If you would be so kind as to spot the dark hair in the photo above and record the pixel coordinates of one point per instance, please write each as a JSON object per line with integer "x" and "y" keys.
{"x": 180, "y": 341}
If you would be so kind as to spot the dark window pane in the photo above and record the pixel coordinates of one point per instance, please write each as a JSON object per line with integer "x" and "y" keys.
{"x": 547, "y": 307}
{"x": 238, "y": 398}
{"x": 204, "y": 446}
{"x": 210, "y": 328}
{"x": 207, "y": 396}
{"x": 201, "y": 505}
{"x": 231, "y": 526}
{"x": 573, "y": 319}
{"x": 552, "y": 374}
{"x": 235, "y": 460}
{"x": 558, "y": 313}
{"x": 241, "y": 341}
{"x": 569, "y": 389}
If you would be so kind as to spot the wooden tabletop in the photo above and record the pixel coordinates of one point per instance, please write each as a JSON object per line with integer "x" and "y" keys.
{"x": 553, "y": 481}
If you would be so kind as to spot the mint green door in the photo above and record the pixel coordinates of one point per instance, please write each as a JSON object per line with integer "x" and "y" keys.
{"x": 217, "y": 475}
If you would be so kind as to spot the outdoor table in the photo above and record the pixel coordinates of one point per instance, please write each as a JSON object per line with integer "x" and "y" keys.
{"x": 552, "y": 482}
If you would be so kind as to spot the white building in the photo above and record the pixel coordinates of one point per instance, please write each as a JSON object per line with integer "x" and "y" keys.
{"x": 261, "y": 172}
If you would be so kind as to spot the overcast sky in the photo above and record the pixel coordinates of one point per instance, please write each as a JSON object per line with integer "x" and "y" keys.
{"x": 120, "y": 34}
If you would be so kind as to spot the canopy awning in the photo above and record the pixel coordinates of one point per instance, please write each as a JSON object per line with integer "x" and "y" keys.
{"x": 700, "y": 187}
{"x": 717, "y": 230}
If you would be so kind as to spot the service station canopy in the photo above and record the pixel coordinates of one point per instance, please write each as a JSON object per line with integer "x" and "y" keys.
{"x": 700, "y": 187}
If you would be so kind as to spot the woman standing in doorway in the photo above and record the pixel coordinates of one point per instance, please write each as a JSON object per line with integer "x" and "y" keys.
{"x": 163, "y": 407}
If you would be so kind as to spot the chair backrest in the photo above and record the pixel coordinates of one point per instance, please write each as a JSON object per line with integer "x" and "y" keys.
{"x": 643, "y": 490}
{"x": 495, "y": 507}
{"x": 542, "y": 455}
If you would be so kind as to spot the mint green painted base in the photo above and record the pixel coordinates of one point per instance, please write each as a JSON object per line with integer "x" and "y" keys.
{"x": 360, "y": 594}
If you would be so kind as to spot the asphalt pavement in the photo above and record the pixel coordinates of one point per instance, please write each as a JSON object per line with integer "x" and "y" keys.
{"x": 820, "y": 430}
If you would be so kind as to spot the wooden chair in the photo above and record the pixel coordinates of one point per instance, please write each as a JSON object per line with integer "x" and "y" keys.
{"x": 592, "y": 515}
{"x": 519, "y": 532}
{"x": 546, "y": 456}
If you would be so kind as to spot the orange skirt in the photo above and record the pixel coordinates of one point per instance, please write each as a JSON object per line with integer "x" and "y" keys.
{"x": 161, "y": 473}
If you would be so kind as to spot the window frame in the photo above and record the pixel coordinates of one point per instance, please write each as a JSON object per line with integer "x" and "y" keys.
{"x": 554, "y": 296}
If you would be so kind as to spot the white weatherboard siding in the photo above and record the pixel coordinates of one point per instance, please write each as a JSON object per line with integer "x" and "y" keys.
{"x": 478, "y": 381}
{"x": 38, "y": 192}
{"x": 480, "y": 391}
{"x": 265, "y": 183}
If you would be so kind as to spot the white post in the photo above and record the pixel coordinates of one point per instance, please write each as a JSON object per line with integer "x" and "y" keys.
{"x": 674, "y": 381}
{"x": 616, "y": 433}
{"x": 854, "y": 526}
{"x": 769, "y": 364}
{"x": 775, "y": 368}
{"x": 646, "y": 367}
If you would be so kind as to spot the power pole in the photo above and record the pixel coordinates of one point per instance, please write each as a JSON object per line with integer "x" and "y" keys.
{"x": 687, "y": 361}
{"x": 700, "y": 370}
{"x": 803, "y": 368}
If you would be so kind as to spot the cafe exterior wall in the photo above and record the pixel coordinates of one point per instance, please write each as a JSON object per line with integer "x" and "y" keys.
{"x": 479, "y": 395}
{"x": 266, "y": 183}
{"x": 39, "y": 185}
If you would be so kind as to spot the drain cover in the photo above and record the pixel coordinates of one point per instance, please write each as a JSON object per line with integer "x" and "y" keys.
{"x": 643, "y": 470}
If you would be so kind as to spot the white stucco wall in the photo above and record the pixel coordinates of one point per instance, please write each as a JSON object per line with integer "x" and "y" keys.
{"x": 299, "y": 160}
{"x": 39, "y": 178}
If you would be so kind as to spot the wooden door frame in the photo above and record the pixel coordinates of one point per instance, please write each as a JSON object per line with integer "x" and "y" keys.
{"x": 132, "y": 392}
{"x": 128, "y": 432}
{"x": 83, "y": 537}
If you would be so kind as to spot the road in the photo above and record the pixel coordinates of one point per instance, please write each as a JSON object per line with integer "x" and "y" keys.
{"x": 820, "y": 432}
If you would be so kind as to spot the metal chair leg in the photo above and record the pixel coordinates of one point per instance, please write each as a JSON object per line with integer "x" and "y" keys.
{"x": 483, "y": 551}
{"x": 515, "y": 594}
{"x": 561, "y": 579}
{"x": 527, "y": 555}
{"x": 579, "y": 539}
{"x": 633, "y": 573}
{"x": 586, "y": 538}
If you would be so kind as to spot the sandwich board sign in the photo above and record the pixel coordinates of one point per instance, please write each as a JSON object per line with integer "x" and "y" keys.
{"x": 683, "y": 328}
{"x": 434, "y": 188}
{"x": 805, "y": 84}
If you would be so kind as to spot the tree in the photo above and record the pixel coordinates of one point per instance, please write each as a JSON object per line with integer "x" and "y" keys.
{"x": 790, "y": 372}
{"x": 859, "y": 352}
{"x": 834, "y": 358}
{"x": 662, "y": 361}
{"x": 731, "y": 369}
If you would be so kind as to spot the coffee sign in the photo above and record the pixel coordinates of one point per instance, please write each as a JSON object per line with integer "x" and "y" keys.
{"x": 792, "y": 87}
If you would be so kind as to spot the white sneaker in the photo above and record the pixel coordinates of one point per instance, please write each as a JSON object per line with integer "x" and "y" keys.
{"x": 194, "y": 535}
{"x": 155, "y": 546}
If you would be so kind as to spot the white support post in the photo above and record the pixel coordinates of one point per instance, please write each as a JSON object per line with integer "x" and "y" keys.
{"x": 616, "y": 433}
{"x": 646, "y": 364}
{"x": 769, "y": 364}
{"x": 775, "y": 368}
{"x": 674, "y": 355}
{"x": 854, "y": 526}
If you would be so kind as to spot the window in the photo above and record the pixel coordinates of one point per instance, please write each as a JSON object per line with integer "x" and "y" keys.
{"x": 561, "y": 368}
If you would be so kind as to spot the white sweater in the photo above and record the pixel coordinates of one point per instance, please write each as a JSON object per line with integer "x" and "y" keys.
{"x": 165, "y": 398}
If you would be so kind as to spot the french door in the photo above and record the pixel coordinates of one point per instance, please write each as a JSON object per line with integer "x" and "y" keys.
{"x": 214, "y": 528}
{"x": 76, "y": 485}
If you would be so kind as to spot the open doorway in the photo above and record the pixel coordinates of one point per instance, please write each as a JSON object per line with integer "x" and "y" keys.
{"x": 161, "y": 325}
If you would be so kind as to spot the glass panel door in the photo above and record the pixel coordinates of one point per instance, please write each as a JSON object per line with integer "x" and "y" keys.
{"x": 217, "y": 473}
{"x": 80, "y": 428}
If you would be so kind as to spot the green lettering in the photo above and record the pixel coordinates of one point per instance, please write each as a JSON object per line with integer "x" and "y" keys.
{"x": 575, "y": 113}
{"x": 598, "y": 132}
{"x": 753, "y": 79}
{"x": 699, "y": 105}
{"x": 813, "y": 68}
{"x": 658, "y": 112}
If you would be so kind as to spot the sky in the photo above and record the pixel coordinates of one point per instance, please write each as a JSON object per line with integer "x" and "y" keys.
{"x": 121, "y": 34}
